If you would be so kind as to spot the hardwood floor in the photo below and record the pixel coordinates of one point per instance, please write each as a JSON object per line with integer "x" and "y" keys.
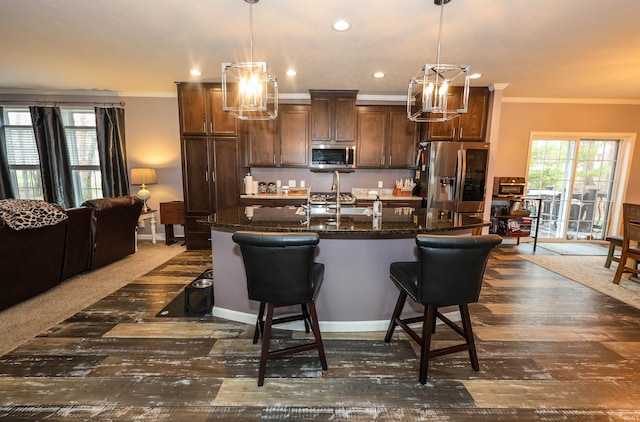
{"x": 550, "y": 349}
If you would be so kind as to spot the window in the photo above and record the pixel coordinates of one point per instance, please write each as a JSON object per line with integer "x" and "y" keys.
{"x": 574, "y": 177}
{"x": 80, "y": 129}
{"x": 22, "y": 153}
{"x": 24, "y": 160}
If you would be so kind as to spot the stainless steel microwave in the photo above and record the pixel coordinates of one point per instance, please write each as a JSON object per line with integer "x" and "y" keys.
{"x": 508, "y": 186}
{"x": 333, "y": 157}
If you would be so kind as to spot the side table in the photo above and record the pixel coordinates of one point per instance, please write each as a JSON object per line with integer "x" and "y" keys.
{"x": 151, "y": 216}
{"x": 171, "y": 213}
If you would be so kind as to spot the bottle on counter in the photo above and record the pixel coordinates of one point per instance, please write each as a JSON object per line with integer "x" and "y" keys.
{"x": 377, "y": 207}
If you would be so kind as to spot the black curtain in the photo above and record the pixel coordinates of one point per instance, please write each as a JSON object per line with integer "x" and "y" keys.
{"x": 6, "y": 189}
{"x": 55, "y": 168}
{"x": 112, "y": 151}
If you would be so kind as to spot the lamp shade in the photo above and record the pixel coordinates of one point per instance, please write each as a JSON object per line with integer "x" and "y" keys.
{"x": 143, "y": 176}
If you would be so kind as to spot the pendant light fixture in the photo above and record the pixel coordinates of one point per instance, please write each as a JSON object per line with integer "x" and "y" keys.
{"x": 248, "y": 91}
{"x": 428, "y": 94}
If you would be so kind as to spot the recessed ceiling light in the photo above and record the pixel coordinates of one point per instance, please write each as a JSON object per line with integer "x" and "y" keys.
{"x": 378, "y": 75}
{"x": 291, "y": 72}
{"x": 475, "y": 75}
{"x": 341, "y": 25}
{"x": 195, "y": 72}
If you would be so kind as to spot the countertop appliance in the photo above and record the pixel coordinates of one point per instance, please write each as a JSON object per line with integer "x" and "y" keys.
{"x": 508, "y": 187}
{"x": 453, "y": 175}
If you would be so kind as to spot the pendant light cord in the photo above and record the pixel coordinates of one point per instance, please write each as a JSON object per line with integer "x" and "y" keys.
{"x": 251, "y": 32}
{"x": 440, "y": 31}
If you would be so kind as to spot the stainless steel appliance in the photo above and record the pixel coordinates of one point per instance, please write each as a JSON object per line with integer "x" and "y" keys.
{"x": 508, "y": 187}
{"x": 332, "y": 157}
{"x": 329, "y": 198}
{"x": 454, "y": 175}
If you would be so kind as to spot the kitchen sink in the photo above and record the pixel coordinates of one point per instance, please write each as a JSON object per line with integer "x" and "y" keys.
{"x": 331, "y": 211}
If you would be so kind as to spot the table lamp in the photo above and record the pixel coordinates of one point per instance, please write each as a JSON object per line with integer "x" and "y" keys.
{"x": 143, "y": 177}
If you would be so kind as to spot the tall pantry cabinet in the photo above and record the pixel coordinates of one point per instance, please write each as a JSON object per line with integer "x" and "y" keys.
{"x": 211, "y": 151}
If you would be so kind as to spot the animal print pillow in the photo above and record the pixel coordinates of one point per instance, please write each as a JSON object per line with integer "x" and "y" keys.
{"x": 21, "y": 214}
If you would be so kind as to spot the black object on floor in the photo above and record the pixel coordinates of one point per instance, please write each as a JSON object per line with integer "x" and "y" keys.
{"x": 195, "y": 300}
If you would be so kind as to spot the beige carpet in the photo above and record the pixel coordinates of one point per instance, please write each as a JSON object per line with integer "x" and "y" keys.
{"x": 590, "y": 271}
{"x": 576, "y": 248}
{"x": 33, "y": 316}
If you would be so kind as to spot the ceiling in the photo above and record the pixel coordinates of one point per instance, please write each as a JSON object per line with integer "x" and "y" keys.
{"x": 568, "y": 49}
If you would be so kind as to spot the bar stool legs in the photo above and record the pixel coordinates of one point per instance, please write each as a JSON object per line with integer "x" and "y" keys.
{"x": 267, "y": 354}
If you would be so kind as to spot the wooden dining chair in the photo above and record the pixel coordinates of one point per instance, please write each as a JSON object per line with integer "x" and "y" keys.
{"x": 630, "y": 241}
{"x": 615, "y": 242}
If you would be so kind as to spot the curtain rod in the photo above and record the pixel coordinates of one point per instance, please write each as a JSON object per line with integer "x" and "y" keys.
{"x": 69, "y": 103}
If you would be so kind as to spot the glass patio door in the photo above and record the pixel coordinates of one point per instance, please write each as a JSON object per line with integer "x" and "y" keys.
{"x": 574, "y": 178}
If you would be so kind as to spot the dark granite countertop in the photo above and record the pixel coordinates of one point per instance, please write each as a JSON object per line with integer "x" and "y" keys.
{"x": 395, "y": 222}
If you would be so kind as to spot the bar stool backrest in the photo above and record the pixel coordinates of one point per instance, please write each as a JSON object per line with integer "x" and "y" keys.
{"x": 278, "y": 265}
{"x": 451, "y": 268}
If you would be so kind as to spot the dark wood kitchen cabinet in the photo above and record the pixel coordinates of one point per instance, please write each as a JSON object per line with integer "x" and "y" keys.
{"x": 210, "y": 182}
{"x": 211, "y": 166}
{"x": 385, "y": 138}
{"x": 333, "y": 116}
{"x": 261, "y": 139}
{"x": 471, "y": 126}
{"x": 200, "y": 110}
{"x": 281, "y": 143}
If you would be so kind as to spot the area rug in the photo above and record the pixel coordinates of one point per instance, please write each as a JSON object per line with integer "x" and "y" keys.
{"x": 575, "y": 248}
{"x": 26, "y": 319}
{"x": 590, "y": 271}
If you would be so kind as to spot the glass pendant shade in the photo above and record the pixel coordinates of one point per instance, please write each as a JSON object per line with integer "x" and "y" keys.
{"x": 248, "y": 91}
{"x": 429, "y": 92}
{"x": 430, "y": 97}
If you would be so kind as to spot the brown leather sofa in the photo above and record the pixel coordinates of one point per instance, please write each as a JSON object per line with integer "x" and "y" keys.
{"x": 77, "y": 256}
{"x": 30, "y": 261}
{"x": 34, "y": 260}
{"x": 113, "y": 228}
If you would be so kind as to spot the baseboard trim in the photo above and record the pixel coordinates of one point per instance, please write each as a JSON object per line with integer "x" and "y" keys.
{"x": 325, "y": 326}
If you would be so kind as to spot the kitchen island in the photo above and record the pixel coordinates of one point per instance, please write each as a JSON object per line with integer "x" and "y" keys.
{"x": 356, "y": 248}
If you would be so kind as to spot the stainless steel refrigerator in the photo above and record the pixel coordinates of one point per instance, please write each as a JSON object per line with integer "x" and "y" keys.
{"x": 453, "y": 175}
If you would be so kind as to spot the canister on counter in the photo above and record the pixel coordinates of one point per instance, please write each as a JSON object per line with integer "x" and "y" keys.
{"x": 271, "y": 187}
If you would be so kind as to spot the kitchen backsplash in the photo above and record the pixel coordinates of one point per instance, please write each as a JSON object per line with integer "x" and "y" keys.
{"x": 321, "y": 182}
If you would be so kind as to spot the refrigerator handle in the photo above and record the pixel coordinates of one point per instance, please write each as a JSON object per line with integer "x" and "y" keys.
{"x": 460, "y": 172}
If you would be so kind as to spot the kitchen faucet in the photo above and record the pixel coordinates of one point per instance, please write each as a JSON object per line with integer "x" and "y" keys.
{"x": 335, "y": 187}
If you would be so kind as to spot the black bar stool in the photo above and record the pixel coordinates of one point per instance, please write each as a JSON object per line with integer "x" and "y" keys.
{"x": 281, "y": 271}
{"x": 449, "y": 272}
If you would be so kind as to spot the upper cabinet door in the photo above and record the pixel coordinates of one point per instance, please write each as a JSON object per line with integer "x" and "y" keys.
{"x": 321, "y": 119}
{"x": 345, "y": 118}
{"x": 473, "y": 125}
{"x": 333, "y": 116}
{"x": 386, "y": 139}
{"x": 294, "y": 135}
{"x": 223, "y": 123}
{"x": 446, "y": 131}
{"x": 262, "y": 143}
{"x": 371, "y": 150}
{"x": 192, "y": 108}
{"x": 402, "y": 139}
{"x": 200, "y": 108}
